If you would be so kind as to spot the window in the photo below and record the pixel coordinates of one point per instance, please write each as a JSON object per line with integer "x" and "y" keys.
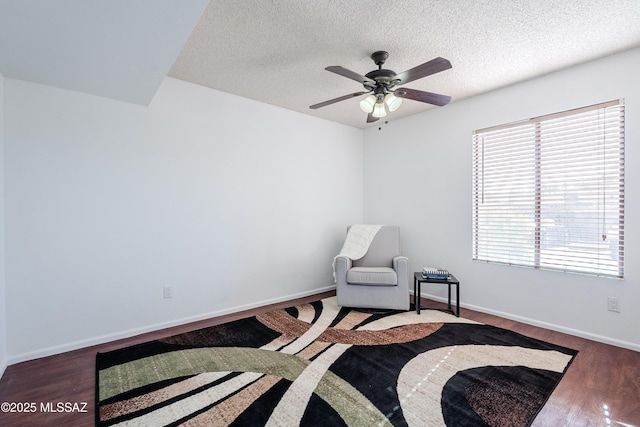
{"x": 549, "y": 192}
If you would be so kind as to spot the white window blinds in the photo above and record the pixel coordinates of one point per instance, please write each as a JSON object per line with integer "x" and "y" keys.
{"x": 549, "y": 192}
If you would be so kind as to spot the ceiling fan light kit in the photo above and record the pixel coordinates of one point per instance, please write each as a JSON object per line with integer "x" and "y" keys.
{"x": 381, "y": 82}
{"x": 375, "y": 104}
{"x": 379, "y": 110}
{"x": 392, "y": 101}
{"x": 368, "y": 103}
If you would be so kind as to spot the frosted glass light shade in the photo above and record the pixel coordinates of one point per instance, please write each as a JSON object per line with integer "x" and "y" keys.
{"x": 393, "y": 102}
{"x": 367, "y": 104}
{"x": 379, "y": 110}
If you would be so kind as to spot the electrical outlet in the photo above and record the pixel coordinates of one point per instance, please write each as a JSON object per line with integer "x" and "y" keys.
{"x": 168, "y": 291}
{"x": 613, "y": 304}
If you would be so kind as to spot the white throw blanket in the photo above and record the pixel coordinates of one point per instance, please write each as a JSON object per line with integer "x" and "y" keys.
{"x": 357, "y": 243}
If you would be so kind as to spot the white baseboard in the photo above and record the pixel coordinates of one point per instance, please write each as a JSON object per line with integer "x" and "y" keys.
{"x": 545, "y": 325}
{"x": 49, "y": 351}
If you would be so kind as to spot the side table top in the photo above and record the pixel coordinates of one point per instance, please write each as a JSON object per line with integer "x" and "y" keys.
{"x": 451, "y": 279}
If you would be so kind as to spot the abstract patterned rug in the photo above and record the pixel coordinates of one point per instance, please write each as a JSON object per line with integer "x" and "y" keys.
{"x": 319, "y": 365}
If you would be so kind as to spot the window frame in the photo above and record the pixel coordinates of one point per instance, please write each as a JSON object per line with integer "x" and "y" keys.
{"x": 536, "y": 128}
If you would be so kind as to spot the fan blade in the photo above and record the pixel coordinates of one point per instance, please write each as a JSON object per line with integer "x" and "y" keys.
{"x": 350, "y": 74}
{"x": 431, "y": 67}
{"x": 371, "y": 119}
{"x": 334, "y": 100}
{"x": 418, "y": 95}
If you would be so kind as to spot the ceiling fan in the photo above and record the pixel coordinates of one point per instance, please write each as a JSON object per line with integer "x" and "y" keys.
{"x": 380, "y": 83}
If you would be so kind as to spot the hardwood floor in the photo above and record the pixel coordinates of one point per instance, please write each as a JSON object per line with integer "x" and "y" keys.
{"x": 600, "y": 388}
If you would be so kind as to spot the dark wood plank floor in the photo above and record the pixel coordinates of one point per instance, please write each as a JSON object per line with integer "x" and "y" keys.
{"x": 601, "y": 387}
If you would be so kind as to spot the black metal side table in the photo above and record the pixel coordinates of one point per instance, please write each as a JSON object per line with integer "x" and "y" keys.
{"x": 418, "y": 280}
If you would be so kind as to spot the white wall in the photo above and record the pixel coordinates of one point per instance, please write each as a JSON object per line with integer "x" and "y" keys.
{"x": 238, "y": 204}
{"x": 3, "y": 305}
{"x": 417, "y": 174}
{"x": 232, "y": 202}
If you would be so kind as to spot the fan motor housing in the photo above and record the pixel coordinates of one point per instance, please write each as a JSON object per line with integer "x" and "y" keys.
{"x": 381, "y": 77}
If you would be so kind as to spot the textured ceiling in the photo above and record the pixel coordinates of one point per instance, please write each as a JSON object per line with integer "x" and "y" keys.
{"x": 276, "y": 51}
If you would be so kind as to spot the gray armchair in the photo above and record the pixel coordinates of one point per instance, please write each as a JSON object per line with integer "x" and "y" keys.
{"x": 380, "y": 279}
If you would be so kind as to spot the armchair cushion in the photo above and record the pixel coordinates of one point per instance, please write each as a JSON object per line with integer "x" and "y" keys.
{"x": 372, "y": 276}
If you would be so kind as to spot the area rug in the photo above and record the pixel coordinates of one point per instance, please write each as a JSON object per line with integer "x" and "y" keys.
{"x": 318, "y": 364}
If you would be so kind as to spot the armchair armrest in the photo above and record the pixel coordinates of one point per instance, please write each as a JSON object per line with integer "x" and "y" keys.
{"x": 401, "y": 266}
{"x": 341, "y": 264}
{"x": 399, "y": 261}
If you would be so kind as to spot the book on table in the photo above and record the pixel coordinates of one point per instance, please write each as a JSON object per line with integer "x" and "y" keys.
{"x": 435, "y": 273}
